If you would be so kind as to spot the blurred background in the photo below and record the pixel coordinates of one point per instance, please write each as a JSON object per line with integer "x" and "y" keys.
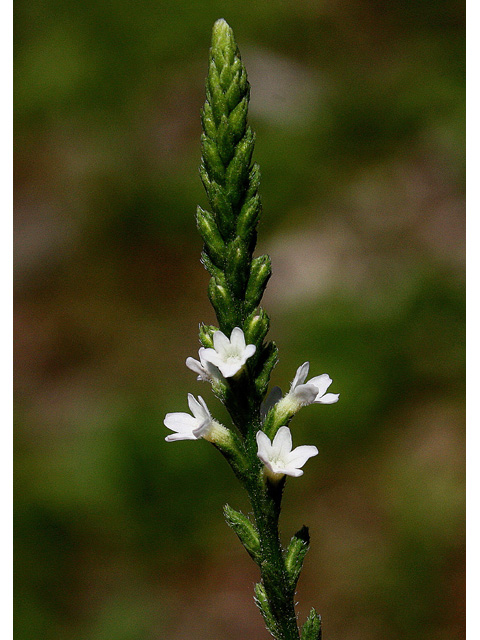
{"x": 358, "y": 106}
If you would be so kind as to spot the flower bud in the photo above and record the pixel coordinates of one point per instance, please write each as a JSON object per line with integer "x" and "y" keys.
{"x": 214, "y": 244}
{"x": 260, "y": 272}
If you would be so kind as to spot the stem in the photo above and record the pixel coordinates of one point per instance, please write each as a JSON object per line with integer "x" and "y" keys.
{"x": 265, "y": 499}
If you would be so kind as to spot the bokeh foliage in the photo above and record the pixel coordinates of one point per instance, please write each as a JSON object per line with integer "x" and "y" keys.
{"x": 358, "y": 110}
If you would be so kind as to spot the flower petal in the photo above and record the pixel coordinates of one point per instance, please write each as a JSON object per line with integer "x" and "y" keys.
{"x": 198, "y": 409}
{"x": 202, "y": 428}
{"x": 197, "y": 368}
{"x": 301, "y": 375}
{"x": 229, "y": 369}
{"x": 299, "y": 456}
{"x": 180, "y": 422}
{"x": 328, "y": 398}
{"x": 249, "y": 351}
{"x": 172, "y": 437}
{"x": 294, "y": 473}
{"x": 321, "y": 382}
{"x": 210, "y": 368}
{"x": 205, "y": 408}
{"x": 237, "y": 339}
{"x": 221, "y": 343}
{"x": 282, "y": 443}
{"x": 210, "y": 355}
{"x": 264, "y": 447}
{"x": 305, "y": 393}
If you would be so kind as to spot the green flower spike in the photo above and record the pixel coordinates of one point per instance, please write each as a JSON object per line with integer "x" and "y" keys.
{"x": 234, "y": 357}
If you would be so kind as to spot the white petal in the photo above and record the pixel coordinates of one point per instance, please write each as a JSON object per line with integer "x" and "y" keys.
{"x": 328, "y": 398}
{"x": 299, "y": 456}
{"x": 197, "y": 408}
{"x": 249, "y": 351}
{"x": 205, "y": 409}
{"x": 180, "y": 436}
{"x": 237, "y": 339}
{"x": 301, "y": 375}
{"x": 202, "y": 428}
{"x": 295, "y": 473}
{"x": 264, "y": 447}
{"x": 180, "y": 422}
{"x": 210, "y": 355}
{"x": 282, "y": 443}
{"x": 197, "y": 368}
{"x": 210, "y": 368}
{"x": 305, "y": 393}
{"x": 321, "y": 382}
{"x": 229, "y": 369}
{"x": 221, "y": 343}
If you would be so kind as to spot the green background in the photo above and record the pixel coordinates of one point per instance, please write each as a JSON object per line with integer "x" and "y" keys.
{"x": 358, "y": 107}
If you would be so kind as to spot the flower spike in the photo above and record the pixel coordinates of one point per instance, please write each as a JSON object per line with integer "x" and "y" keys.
{"x": 238, "y": 280}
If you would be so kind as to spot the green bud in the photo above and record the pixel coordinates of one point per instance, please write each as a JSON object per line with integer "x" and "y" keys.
{"x": 215, "y": 94}
{"x": 223, "y": 303}
{"x": 237, "y": 266}
{"x": 221, "y": 206}
{"x": 248, "y": 216}
{"x": 295, "y": 554}
{"x": 237, "y": 119}
{"x": 312, "y": 629}
{"x": 208, "y": 121}
{"x": 224, "y": 47}
{"x": 214, "y": 243}
{"x": 256, "y": 327}
{"x": 245, "y": 530}
{"x": 226, "y": 77}
{"x": 237, "y": 171}
{"x": 213, "y": 162}
{"x": 237, "y": 88}
{"x": 269, "y": 359}
{"x": 225, "y": 141}
{"x": 260, "y": 272}
{"x": 261, "y": 600}
{"x": 209, "y": 266}
{"x": 205, "y": 335}
{"x": 254, "y": 181}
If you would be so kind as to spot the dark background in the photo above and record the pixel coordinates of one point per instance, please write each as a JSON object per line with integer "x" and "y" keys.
{"x": 358, "y": 106}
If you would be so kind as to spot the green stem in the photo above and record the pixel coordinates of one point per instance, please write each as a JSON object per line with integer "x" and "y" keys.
{"x": 265, "y": 499}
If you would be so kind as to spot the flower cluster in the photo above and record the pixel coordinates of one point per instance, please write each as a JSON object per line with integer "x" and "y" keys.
{"x": 227, "y": 359}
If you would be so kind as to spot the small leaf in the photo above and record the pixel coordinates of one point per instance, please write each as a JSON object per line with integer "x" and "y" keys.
{"x": 295, "y": 554}
{"x": 262, "y": 603}
{"x": 312, "y": 629}
{"x": 245, "y": 531}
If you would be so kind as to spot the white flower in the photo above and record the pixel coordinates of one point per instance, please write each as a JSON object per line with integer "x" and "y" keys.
{"x": 228, "y": 355}
{"x": 189, "y": 427}
{"x": 204, "y": 369}
{"x": 312, "y": 391}
{"x": 278, "y": 457}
